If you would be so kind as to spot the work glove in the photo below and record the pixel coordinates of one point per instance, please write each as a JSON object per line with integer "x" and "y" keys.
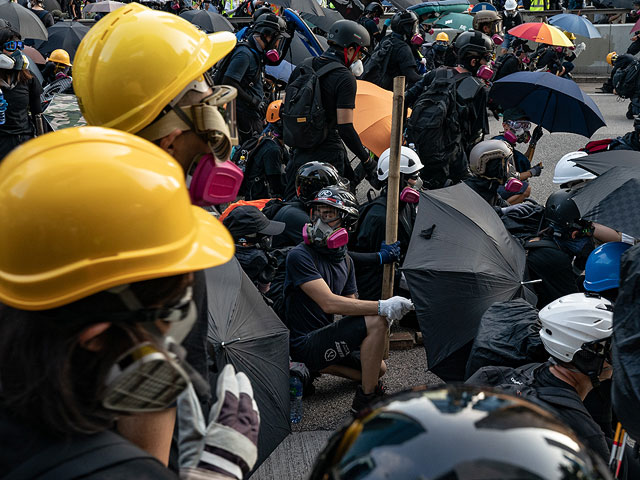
{"x": 228, "y": 445}
{"x": 389, "y": 253}
{"x": 521, "y": 209}
{"x": 536, "y": 135}
{"x": 394, "y": 308}
{"x": 537, "y": 170}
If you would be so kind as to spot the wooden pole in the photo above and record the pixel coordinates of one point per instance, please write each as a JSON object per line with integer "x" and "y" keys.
{"x": 393, "y": 188}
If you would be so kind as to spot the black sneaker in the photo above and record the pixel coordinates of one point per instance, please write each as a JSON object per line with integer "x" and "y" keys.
{"x": 362, "y": 401}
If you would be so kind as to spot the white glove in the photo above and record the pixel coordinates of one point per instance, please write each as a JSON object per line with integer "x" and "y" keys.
{"x": 394, "y": 308}
{"x": 581, "y": 47}
{"x": 228, "y": 445}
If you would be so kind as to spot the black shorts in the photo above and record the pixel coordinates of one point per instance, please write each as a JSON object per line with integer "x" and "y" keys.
{"x": 336, "y": 344}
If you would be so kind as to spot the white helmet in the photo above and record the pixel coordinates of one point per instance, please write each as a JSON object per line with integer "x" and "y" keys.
{"x": 510, "y": 5}
{"x": 409, "y": 162}
{"x": 575, "y": 323}
{"x": 567, "y": 171}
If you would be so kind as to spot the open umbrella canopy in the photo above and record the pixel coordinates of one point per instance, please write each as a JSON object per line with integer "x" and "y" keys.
{"x": 372, "y": 116}
{"x": 555, "y": 103}
{"x": 245, "y": 332}
{"x": 309, "y": 6}
{"x": 34, "y": 55}
{"x": 443, "y": 6}
{"x": 457, "y": 21}
{"x": 64, "y": 35}
{"x": 104, "y": 6}
{"x": 208, "y": 21}
{"x": 23, "y": 20}
{"x": 51, "y": 5}
{"x": 575, "y": 24}
{"x": 599, "y": 163}
{"x": 323, "y": 22}
{"x": 460, "y": 261}
{"x": 541, "y": 33}
{"x": 613, "y": 200}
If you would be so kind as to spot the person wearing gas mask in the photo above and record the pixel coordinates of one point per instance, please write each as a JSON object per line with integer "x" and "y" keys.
{"x": 370, "y": 20}
{"x": 167, "y": 98}
{"x": 91, "y": 330}
{"x": 373, "y": 219}
{"x": 252, "y": 234}
{"x": 434, "y": 54}
{"x": 342, "y": 63}
{"x": 489, "y": 23}
{"x": 320, "y": 282}
{"x": 462, "y": 128}
{"x": 21, "y": 91}
{"x": 516, "y": 130}
{"x": 514, "y": 60}
{"x": 510, "y": 18}
{"x": 245, "y": 71}
{"x": 576, "y": 332}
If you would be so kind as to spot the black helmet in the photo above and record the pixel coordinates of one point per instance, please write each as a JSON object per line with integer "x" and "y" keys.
{"x": 314, "y": 176}
{"x": 456, "y": 432}
{"x": 375, "y": 7}
{"x": 261, "y": 11}
{"x": 339, "y": 197}
{"x": 473, "y": 44}
{"x": 562, "y": 211}
{"x": 405, "y": 22}
{"x": 347, "y": 33}
{"x": 268, "y": 24}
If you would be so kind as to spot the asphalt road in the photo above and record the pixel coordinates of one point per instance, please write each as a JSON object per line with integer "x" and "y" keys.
{"x": 329, "y": 407}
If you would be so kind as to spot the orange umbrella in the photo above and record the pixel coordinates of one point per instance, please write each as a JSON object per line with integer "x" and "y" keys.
{"x": 541, "y": 33}
{"x": 372, "y": 116}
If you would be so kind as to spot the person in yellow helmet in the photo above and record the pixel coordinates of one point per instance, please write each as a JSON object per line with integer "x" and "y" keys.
{"x": 97, "y": 295}
{"x": 58, "y": 66}
{"x": 434, "y": 53}
{"x": 612, "y": 59}
{"x": 162, "y": 92}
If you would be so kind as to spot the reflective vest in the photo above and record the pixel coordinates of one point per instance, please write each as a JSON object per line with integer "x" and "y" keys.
{"x": 537, "y": 5}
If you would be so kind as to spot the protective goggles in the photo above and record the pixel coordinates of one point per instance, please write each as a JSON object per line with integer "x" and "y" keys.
{"x": 519, "y": 124}
{"x": 442, "y": 43}
{"x": 13, "y": 45}
{"x": 329, "y": 215}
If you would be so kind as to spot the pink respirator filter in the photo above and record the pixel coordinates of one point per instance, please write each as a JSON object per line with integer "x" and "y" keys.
{"x": 214, "y": 184}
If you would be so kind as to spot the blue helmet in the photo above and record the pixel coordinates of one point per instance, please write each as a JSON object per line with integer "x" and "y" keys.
{"x": 602, "y": 271}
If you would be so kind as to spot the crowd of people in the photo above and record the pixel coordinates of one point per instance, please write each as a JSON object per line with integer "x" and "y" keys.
{"x": 188, "y": 163}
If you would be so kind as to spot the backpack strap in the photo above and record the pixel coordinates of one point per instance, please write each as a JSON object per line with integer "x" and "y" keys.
{"x": 328, "y": 68}
{"x": 78, "y": 458}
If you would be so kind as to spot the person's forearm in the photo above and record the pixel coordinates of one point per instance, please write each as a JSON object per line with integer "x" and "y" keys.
{"x": 349, "y": 306}
{"x": 243, "y": 96}
{"x": 605, "y": 234}
{"x": 365, "y": 258}
{"x": 351, "y": 139}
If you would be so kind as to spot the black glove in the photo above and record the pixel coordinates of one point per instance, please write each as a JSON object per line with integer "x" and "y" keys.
{"x": 536, "y": 135}
{"x": 536, "y": 171}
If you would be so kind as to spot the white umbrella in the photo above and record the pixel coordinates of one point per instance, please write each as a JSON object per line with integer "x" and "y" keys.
{"x": 103, "y": 7}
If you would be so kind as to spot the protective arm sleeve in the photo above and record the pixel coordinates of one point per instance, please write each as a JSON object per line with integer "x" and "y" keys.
{"x": 412, "y": 76}
{"x": 364, "y": 258}
{"x": 351, "y": 139}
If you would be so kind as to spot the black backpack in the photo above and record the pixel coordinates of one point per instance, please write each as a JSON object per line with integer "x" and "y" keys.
{"x": 375, "y": 67}
{"x": 221, "y": 67}
{"x": 625, "y": 80}
{"x": 435, "y": 124}
{"x": 243, "y": 158}
{"x": 303, "y": 116}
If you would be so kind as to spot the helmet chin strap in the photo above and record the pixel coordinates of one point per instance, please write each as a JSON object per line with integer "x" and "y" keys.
{"x": 348, "y": 61}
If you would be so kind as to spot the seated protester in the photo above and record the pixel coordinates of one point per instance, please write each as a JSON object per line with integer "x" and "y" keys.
{"x": 516, "y": 130}
{"x": 576, "y": 331}
{"x": 370, "y": 20}
{"x": 310, "y": 179}
{"x": 252, "y": 233}
{"x": 265, "y": 156}
{"x": 373, "y": 219}
{"x": 602, "y": 271}
{"x": 320, "y": 282}
{"x": 617, "y": 62}
{"x": 434, "y": 53}
{"x": 57, "y": 66}
{"x": 513, "y": 61}
{"x": 630, "y": 140}
{"x": 551, "y": 255}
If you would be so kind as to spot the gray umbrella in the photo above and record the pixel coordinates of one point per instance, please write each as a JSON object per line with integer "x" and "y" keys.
{"x": 23, "y": 20}
{"x": 461, "y": 260}
{"x": 323, "y": 22}
{"x": 208, "y": 21}
{"x": 51, "y": 5}
{"x": 103, "y": 6}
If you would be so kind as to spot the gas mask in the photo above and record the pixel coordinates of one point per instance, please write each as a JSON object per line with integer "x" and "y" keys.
{"x": 211, "y": 182}
{"x": 376, "y": 20}
{"x": 357, "y": 68}
{"x": 559, "y": 49}
{"x": 526, "y": 60}
{"x": 272, "y": 49}
{"x": 411, "y": 194}
{"x": 519, "y": 131}
{"x": 497, "y": 39}
{"x": 513, "y": 183}
{"x": 417, "y": 39}
{"x": 320, "y": 234}
{"x": 485, "y": 73}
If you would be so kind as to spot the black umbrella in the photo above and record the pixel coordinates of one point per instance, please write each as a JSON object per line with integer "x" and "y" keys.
{"x": 245, "y": 332}
{"x": 349, "y": 9}
{"x": 460, "y": 261}
{"x": 300, "y": 49}
{"x": 599, "y": 163}
{"x": 65, "y": 35}
{"x": 208, "y": 21}
{"x": 51, "y": 5}
{"x": 613, "y": 200}
{"x": 310, "y": 6}
{"x": 323, "y": 22}
{"x": 23, "y": 20}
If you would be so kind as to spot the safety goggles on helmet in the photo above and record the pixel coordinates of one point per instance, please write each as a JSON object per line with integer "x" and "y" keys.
{"x": 319, "y": 231}
{"x": 13, "y": 45}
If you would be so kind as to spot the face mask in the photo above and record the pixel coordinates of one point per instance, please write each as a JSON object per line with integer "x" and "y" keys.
{"x": 526, "y": 60}
{"x": 484, "y": 72}
{"x": 559, "y": 49}
{"x": 513, "y": 185}
{"x": 438, "y": 47}
{"x": 510, "y": 13}
{"x": 497, "y": 39}
{"x": 409, "y": 195}
{"x": 417, "y": 39}
{"x": 320, "y": 234}
{"x": 212, "y": 183}
{"x": 357, "y": 68}
{"x": 376, "y": 20}
{"x": 272, "y": 55}
{"x": 18, "y": 58}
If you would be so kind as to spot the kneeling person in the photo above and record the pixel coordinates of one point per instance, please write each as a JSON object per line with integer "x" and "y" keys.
{"x": 320, "y": 282}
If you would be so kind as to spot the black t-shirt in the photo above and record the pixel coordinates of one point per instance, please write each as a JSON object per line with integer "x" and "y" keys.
{"x": 304, "y": 265}
{"x": 338, "y": 90}
{"x": 246, "y": 69}
{"x": 401, "y": 62}
{"x": 294, "y": 215}
{"x": 509, "y": 21}
{"x": 22, "y": 99}
{"x": 371, "y": 27}
{"x": 554, "y": 267}
{"x": 45, "y": 17}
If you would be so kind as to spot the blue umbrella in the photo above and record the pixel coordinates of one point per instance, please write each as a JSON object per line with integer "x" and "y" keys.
{"x": 483, "y": 6}
{"x": 575, "y": 24}
{"x": 553, "y": 102}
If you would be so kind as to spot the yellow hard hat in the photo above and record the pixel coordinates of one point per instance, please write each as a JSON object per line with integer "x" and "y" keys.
{"x": 130, "y": 67}
{"x": 60, "y": 56}
{"x": 442, "y": 37}
{"x": 273, "y": 111}
{"x": 569, "y": 35}
{"x": 611, "y": 58}
{"x": 86, "y": 209}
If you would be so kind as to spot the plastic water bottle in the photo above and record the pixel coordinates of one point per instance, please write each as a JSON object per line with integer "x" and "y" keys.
{"x": 295, "y": 394}
{"x": 3, "y": 108}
